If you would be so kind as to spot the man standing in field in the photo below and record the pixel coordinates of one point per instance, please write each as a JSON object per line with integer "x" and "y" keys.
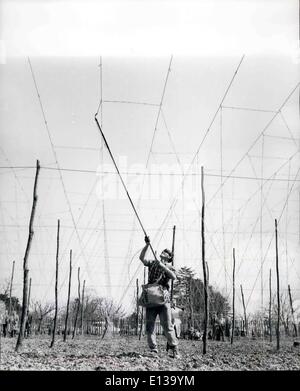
{"x": 160, "y": 271}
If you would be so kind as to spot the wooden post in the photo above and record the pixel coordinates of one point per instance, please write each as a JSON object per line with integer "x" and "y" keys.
{"x": 29, "y": 294}
{"x": 10, "y": 287}
{"x": 270, "y": 304}
{"x": 233, "y": 297}
{"x": 191, "y": 303}
{"x": 56, "y": 283}
{"x": 68, "y": 302}
{"x": 78, "y": 305}
{"x": 244, "y": 307}
{"x": 28, "y": 305}
{"x": 137, "y": 307}
{"x": 208, "y": 296}
{"x": 25, "y": 263}
{"x": 173, "y": 256}
{"x": 82, "y": 303}
{"x": 292, "y": 309}
{"x": 142, "y": 317}
{"x": 278, "y": 293}
{"x": 204, "y": 263}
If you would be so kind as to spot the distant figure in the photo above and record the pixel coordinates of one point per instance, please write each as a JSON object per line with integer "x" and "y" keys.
{"x": 227, "y": 327}
{"x": 14, "y": 324}
{"x": 222, "y": 323}
{"x": 5, "y": 324}
{"x": 28, "y": 326}
{"x": 176, "y": 313}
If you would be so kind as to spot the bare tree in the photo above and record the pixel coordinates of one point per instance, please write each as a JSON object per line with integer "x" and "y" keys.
{"x": 41, "y": 311}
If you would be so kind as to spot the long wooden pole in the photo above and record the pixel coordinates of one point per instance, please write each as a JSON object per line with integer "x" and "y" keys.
{"x": 204, "y": 263}
{"x": 142, "y": 318}
{"x": 208, "y": 295}
{"x": 29, "y": 294}
{"x": 173, "y": 256}
{"x": 233, "y": 298}
{"x": 292, "y": 310}
{"x": 10, "y": 287}
{"x": 270, "y": 304}
{"x": 244, "y": 308}
{"x": 78, "y": 304}
{"x": 278, "y": 288}
{"x": 82, "y": 304}
{"x": 56, "y": 284}
{"x": 68, "y": 301}
{"x": 137, "y": 307}
{"x": 25, "y": 263}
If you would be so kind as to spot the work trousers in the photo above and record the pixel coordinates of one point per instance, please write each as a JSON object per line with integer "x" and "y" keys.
{"x": 164, "y": 313}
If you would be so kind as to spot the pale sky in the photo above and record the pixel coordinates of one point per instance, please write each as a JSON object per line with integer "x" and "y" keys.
{"x": 135, "y": 39}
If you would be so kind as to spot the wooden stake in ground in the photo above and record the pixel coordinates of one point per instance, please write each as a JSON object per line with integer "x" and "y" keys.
{"x": 204, "y": 264}
{"x": 292, "y": 310}
{"x": 82, "y": 303}
{"x": 142, "y": 317}
{"x": 28, "y": 305}
{"x": 56, "y": 283}
{"x": 233, "y": 297}
{"x": 68, "y": 301}
{"x": 270, "y": 305}
{"x": 244, "y": 307}
{"x": 173, "y": 256}
{"x": 25, "y": 263}
{"x": 78, "y": 305}
{"x": 278, "y": 293}
{"x": 10, "y": 287}
{"x": 29, "y": 294}
{"x": 137, "y": 307}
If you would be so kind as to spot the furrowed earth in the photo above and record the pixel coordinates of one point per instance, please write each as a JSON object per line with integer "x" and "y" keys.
{"x": 128, "y": 353}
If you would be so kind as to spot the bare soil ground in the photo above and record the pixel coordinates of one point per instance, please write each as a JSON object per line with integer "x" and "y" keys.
{"x": 128, "y": 353}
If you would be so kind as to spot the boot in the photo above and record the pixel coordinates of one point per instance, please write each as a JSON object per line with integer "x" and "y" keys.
{"x": 175, "y": 352}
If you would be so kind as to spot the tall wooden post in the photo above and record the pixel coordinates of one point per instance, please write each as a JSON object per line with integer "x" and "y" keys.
{"x": 292, "y": 310}
{"x": 78, "y": 304}
{"x": 244, "y": 308}
{"x": 82, "y": 303}
{"x": 278, "y": 292}
{"x": 137, "y": 307}
{"x": 56, "y": 283}
{"x": 10, "y": 287}
{"x": 208, "y": 295}
{"x": 142, "y": 317}
{"x": 25, "y": 263}
{"x": 204, "y": 263}
{"x": 68, "y": 301}
{"x": 233, "y": 298}
{"x": 29, "y": 294}
{"x": 173, "y": 256}
{"x": 270, "y": 304}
